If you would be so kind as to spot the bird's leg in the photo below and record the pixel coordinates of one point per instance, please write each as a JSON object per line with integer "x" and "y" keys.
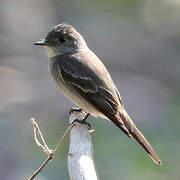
{"x": 83, "y": 121}
{"x": 75, "y": 109}
{"x": 87, "y": 115}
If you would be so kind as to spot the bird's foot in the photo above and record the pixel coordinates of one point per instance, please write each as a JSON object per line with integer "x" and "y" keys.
{"x": 83, "y": 121}
{"x": 75, "y": 109}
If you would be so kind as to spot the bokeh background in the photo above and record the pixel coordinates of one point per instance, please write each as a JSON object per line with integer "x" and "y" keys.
{"x": 138, "y": 41}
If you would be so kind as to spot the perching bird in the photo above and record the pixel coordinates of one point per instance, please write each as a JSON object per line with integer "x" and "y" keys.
{"x": 83, "y": 79}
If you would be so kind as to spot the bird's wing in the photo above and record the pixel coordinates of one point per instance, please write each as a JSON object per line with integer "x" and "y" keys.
{"x": 119, "y": 97}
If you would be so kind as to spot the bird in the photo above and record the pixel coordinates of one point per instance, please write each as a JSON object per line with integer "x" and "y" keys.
{"x": 83, "y": 79}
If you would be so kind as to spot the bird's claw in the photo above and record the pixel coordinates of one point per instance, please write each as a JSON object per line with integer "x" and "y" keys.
{"x": 75, "y": 109}
{"x": 81, "y": 122}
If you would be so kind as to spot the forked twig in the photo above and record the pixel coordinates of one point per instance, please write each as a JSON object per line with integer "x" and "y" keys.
{"x": 44, "y": 146}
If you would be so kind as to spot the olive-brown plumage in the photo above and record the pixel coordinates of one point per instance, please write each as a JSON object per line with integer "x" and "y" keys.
{"x": 83, "y": 79}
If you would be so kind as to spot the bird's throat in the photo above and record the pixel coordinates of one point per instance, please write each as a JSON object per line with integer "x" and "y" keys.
{"x": 50, "y": 51}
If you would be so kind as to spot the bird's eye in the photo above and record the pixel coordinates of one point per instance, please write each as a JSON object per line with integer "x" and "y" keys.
{"x": 62, "y": 39}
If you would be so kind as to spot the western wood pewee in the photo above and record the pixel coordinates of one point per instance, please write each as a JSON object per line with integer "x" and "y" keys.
{"x": 83, "y": 79}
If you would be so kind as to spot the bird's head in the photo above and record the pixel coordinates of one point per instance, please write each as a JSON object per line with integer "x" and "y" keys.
{"x": 62, "y": 39}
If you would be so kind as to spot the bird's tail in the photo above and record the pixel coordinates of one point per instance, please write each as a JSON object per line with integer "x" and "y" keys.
{"x": 125, "y": 123}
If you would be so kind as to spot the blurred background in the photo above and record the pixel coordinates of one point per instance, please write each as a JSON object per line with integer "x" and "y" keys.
{"x": 138, "y": 41}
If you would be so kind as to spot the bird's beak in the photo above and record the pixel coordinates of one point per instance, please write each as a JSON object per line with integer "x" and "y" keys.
{"x": 42, "y": 42}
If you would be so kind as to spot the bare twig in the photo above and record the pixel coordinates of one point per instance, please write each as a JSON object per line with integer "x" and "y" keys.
{"x": 44, "y": 146}
{"x": 41, "y": 168}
